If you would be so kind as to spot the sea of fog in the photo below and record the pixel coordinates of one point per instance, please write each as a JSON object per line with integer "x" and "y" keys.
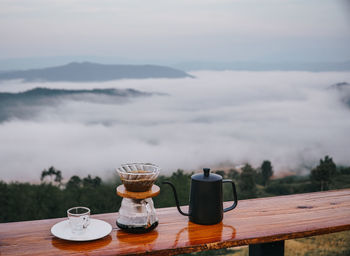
{"x": 219, "y": 118}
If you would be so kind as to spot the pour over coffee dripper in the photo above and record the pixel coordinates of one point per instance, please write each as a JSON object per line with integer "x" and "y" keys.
{"x": 138, "y": 177}
{"x": 137, "y": 213}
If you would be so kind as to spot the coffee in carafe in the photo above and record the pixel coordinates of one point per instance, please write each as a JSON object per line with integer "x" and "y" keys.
{"x": 137, "y": 213}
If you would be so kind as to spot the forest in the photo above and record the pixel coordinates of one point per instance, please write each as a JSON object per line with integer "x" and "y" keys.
{"x": 52, "y": 197}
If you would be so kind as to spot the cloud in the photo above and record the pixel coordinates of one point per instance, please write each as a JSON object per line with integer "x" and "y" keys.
{"x": 290, "y": 118}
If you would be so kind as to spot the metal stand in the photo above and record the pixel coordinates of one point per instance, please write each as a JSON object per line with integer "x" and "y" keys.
{"x": 267, "y": 249}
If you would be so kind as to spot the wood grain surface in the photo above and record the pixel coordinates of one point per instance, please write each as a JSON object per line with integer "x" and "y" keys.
{"x": 154, "y": 191}
{"x": 253, "y": 221}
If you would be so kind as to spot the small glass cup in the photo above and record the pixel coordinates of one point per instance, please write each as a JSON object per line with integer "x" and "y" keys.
{"x": 79, "y": 218}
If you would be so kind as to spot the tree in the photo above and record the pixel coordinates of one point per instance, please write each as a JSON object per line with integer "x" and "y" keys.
{"x": 89, "y": 181}
{"x": 58, "y": 177}
{"x": 266, "y": 171}
{"x": 182, "y": 183}
{"x": 247, "y": 183}
{"x": 322, "y": 175}
{"x": 233, "y": 174}
{"x": 221, "y": 173}
{"x": 52, "y": 172}
{"x": 74, "y": 182}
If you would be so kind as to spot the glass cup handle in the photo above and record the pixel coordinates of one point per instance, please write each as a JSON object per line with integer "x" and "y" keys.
{"x": 86, "y": 221}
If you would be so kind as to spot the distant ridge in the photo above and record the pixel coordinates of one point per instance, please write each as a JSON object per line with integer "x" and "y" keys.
{"x": 340, "y": 85}
{"x": 343, "y": 88}
{"x": 93, "y": 72}
{"x": 25, "y": 105}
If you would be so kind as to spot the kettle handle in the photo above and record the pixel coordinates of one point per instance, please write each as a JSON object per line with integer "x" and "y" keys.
{"x": 176, "y": 200}
{"x": 234, "y": 196}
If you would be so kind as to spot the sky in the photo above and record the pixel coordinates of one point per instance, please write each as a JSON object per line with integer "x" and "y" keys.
{"x": 165, "y": 32}
{"x": 219, "y": 118}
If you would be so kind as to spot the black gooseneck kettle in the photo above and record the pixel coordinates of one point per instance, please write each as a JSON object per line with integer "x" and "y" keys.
{"x": 206, "y": 198}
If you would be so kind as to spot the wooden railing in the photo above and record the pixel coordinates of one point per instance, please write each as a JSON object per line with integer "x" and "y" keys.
{"x": 263, "y": 224}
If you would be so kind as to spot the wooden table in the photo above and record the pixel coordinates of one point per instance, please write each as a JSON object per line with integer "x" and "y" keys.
{"x": 265, "y": 221}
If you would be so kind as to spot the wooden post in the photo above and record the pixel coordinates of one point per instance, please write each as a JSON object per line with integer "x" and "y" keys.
{"x": 267, "y": 249}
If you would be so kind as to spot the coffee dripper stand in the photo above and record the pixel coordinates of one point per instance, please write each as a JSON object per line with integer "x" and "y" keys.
{"x": 137, "y": 213}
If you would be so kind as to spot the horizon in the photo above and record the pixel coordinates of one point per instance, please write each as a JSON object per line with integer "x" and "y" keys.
{"x": 165, "y": 33}
{"x": 22, "y": 64}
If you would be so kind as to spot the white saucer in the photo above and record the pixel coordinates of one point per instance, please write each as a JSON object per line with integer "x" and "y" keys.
{"x": 96, "y": 230}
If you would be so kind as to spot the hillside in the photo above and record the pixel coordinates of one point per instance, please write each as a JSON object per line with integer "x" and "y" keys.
{"x": 343, "y": 89}
{"x": 93, "y": 72}
{"x": 24, "y": 105}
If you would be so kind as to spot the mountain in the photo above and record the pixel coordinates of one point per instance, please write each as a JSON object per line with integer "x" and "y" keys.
{"x": 341, "y": 86}
{"x": 25, "y": 105}
{"x": 93, "y": 72}
{"x": 343, "y": 89}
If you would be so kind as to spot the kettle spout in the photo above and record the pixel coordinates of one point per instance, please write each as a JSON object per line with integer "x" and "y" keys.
{"x": 176, "y": 199}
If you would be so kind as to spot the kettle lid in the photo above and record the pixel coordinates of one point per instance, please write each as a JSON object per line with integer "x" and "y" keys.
{"x": 206, "y": 176}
